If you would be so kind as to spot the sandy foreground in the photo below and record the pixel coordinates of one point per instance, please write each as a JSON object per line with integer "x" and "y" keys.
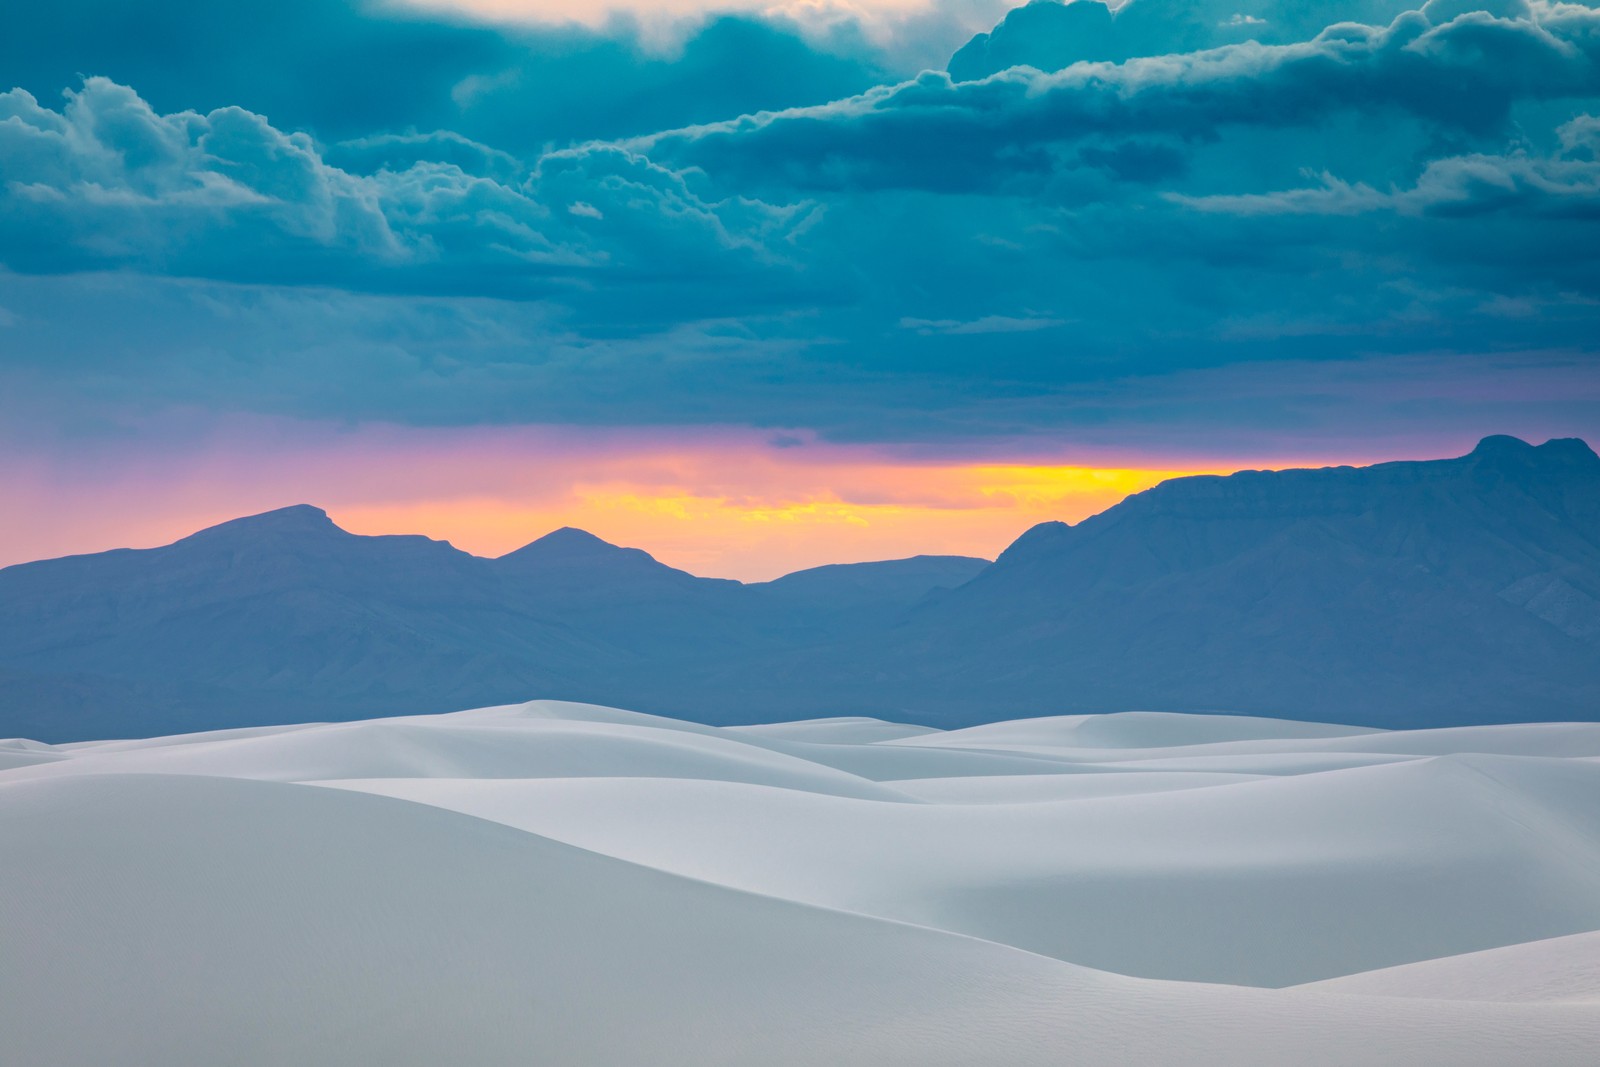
{"x": 560, "y": 883}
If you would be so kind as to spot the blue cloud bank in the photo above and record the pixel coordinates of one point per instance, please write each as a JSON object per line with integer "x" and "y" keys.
{"x": 1089, "y": 223}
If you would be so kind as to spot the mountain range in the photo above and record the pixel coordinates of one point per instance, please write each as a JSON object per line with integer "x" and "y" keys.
{"x": 1421, "y": 593}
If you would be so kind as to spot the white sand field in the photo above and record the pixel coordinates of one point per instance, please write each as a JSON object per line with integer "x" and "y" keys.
{"x": 556, "y": 883}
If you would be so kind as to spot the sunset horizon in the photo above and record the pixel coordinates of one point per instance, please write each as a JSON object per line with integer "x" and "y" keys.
{"x": 734, "y": 505}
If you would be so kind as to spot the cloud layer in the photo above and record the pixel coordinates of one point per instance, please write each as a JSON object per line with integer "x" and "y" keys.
{"x": 458, "y": 223}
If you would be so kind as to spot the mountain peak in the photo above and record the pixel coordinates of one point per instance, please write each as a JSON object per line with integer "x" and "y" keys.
{"x": 1500, "y": 444}
{"x": 295, "y": 520}
{"x": 567, "y": 543}
{"x": 1556, "y": 454}
{"x": 1042, "y": 537}
{"x": 572, "y": 535}
{"x": 570, "y": 553}
{"x": 569, "y": 549}
{"x": 1569, "y": 449}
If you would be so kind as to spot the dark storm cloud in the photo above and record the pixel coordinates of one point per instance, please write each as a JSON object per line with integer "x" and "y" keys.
{"x": 1050, "y": 36}
{"x": 1463, "y": 74}
{"x": 344, "y": 69}
{"x": 932, "y": 258}
{"x": 107, "y": 182}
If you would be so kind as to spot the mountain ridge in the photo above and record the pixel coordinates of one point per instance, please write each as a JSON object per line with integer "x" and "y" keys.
{"x": 1417, "y": 592}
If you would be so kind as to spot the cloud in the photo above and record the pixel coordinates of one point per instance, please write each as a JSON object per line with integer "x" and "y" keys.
{"x": 987, "y": 324}
{"x": 1505, "y": 221}
{"x": 1462, "y": 75}
{"x": 906, "y": 27}
{"x": 1560, "y": 188}
{"x": 1050, "y": 36}
{"x": 401, "y": 151}
{"x": 108, "y": 182}
{"x": 352, "y": 69}
{"x": 925, "y": 261}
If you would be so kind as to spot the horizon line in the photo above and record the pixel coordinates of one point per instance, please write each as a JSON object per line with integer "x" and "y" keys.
{"x": 345, "y": 525}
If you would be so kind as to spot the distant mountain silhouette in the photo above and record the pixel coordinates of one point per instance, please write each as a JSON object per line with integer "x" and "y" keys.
{"x": 1418, "y": 593}
{"x": 286, "y": 617}
{"x": 282, "y": 613}
{"x": 577, "y": 558}
{"x": 851, "y": 599}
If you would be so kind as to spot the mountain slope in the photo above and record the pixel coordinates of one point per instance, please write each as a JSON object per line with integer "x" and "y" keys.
{"x": 279, "y": 615}
{"x": 1403, "y": 594}
{"x": 284, "y": 616}
{"x": 1463, "y": 590}
{"x": 857, "y": 597}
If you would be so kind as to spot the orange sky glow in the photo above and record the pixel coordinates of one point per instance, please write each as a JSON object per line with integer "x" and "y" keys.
{"x": 759, "y": 531}
{"x": 723, "y": 503}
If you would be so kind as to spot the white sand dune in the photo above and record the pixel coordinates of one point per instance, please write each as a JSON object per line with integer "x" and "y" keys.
{"x": 453, "y": 748}
{"x": 566, "y": 884}
{"x": 840, "y": 731}
{"x": 1271, "y": 882}
{"x": 1137, "y": 729}
{"x": 1558, "y": 969}
{"x": 1025, "y": 788}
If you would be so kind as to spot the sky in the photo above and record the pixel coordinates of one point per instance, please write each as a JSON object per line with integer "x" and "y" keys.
{"x": 758, "y": 286}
